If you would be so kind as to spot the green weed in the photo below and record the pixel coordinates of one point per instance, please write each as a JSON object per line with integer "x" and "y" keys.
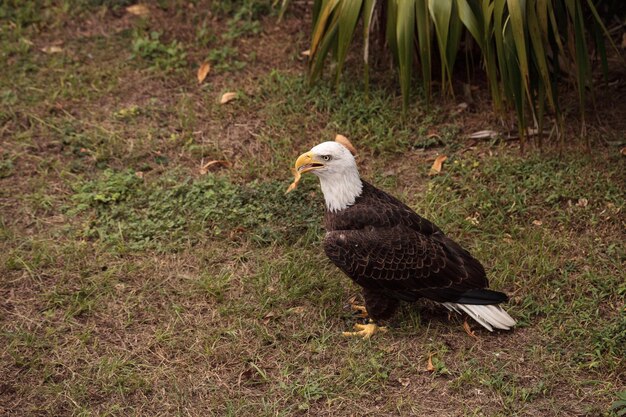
{"x": 128, "y": 112}
{"x": 22, "y": 13}
{"x": 238, "y": 28}
{"x": 118, "y": 375}
{"x": 225, "y": 58}
{"x": 216, "y": 285}
{"x": 6, "y": 166}
{"x": 160, "y": 56}
{"x": 619, "y": 406}
{"x": 243, "y": 21}
{"x": 205, "y": 35}
{"x": 174, "y": 211}
{"x": 240, "y": 9}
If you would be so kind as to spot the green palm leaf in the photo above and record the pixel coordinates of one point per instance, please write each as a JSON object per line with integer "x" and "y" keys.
{"x": 405, "y": 31}
{"x": 424, "y": 39}
{"x": 320, "y": 30}
{"x": 467, "y": 16}
{"x": 526, "y": 45}
{"x": 348, "y": 15}
{"x": 368, "y": 11}
{"x": 324, "y": 34}
{"x": 441, "y": 12}
{"x": 539, "y": 53}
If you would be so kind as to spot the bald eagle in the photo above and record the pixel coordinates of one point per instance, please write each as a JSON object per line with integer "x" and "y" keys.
{"x": 390, "y": 251}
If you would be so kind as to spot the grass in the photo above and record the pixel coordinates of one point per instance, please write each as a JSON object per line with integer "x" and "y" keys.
{"x": 177, "y": 211}
{"x": 161, "y": 56}
{"x": 134, "y": 283}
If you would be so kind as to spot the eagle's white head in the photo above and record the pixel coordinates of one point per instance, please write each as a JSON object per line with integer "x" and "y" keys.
{"x": 336, "y": 168}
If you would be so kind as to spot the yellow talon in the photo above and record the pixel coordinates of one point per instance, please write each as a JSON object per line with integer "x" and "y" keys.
{"x": 366, "y": 330}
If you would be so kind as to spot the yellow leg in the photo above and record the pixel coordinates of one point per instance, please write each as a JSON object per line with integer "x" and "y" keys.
{"x": 366, "y": 330}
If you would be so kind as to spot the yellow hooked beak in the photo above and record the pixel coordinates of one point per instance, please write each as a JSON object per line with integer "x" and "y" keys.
{"x": 305, "y": 163}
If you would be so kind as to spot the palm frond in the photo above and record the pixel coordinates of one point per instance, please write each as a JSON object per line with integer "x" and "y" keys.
{"x": 524, "y": 45}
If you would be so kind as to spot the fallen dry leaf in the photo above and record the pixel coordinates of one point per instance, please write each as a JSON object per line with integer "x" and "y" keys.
{"x": 345, "y": 142}
{"x": 436, "y": 168}
{"x": 430, "y": 367}
{"x": 226, "y": 97}
{"x": 51, "y": 49}
{"x": 297, "y": 310}
{"x": 404, "y": 381}
{"x": 203, "y": 71}
{"x": 268, "y": 317}
{"x": 216, "y": 163}
{"x": 537, "y": 222}
{"x": 138, "y": 10}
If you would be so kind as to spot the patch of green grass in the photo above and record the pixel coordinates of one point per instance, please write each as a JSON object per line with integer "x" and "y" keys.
{"x": 539, "y": 217}
{"x": 205, "y": 35}
{"x": 18, "y": 17}
{"x": 6, "y": 166}
{"x": 119, "y": 375}
{"x": 175, "y": 211}
{"x": 161, "y": 56}
{"x": 370, "y": 120}
{"x": 225, "y": 58}
{"x": 296, "y": 275}
{"x": 239, "y": 9}
{"x": 81, "y": 301}
{"x": 21, "y": 13}
{"x": 619, "y": 406}
{"x": 239, "y": 26}
{"x": 561, "y": 192}
{"x": 243, "y": 21}
{"x": 216, "y": 285}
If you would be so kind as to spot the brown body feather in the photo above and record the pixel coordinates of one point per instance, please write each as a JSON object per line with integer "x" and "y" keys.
{"x": 395, "y": 254}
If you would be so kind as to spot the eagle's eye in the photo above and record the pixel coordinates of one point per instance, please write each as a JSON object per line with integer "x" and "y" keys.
{"x": 326, "y": 157}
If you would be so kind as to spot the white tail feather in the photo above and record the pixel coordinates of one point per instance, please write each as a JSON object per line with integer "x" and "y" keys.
{"x": 489, "y": 316}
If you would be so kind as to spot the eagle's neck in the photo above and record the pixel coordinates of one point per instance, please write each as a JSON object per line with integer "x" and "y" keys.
{"x": 341, "y": 191}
